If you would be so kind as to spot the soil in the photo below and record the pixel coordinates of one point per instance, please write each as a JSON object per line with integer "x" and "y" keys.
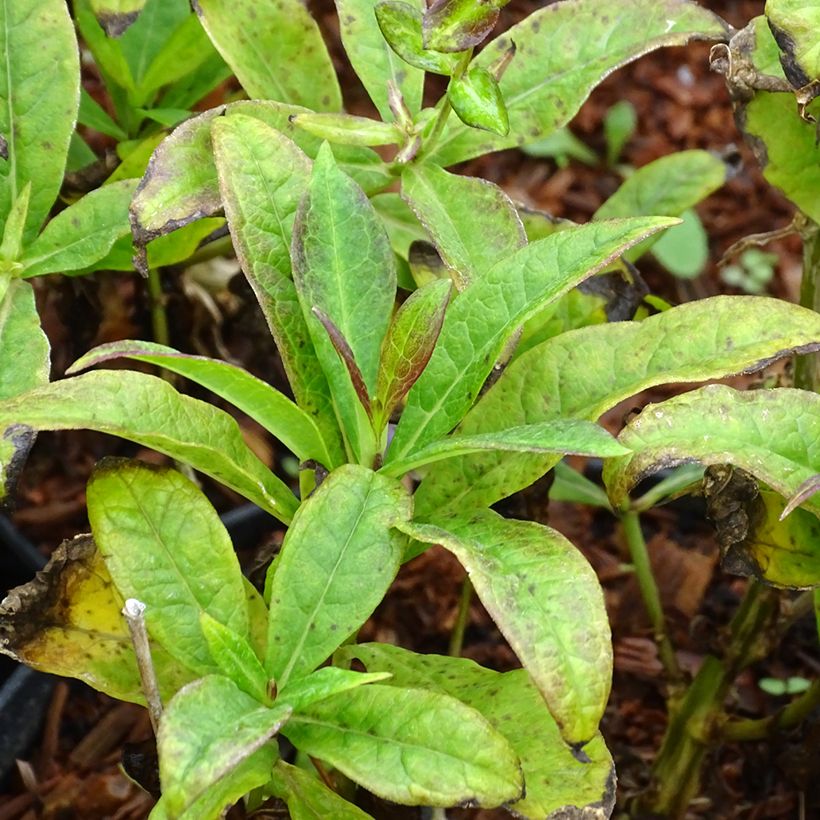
{"x": 74, "y": 769}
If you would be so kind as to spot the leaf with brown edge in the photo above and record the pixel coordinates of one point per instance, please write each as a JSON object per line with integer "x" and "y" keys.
{"x": 68, "y": 621}
{"x": 805, "y": 491}
{"x": 116, "y": 16}
{"x": 408, "y": 345}
{"x": 456, "y": 25}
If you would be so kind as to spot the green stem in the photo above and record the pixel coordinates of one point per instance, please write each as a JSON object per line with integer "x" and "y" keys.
{"x": 462, "y": 617}
{"x": 789, "y": 716}
{"x": 807, "y": 368}
{"x": 631, "y": 523}
{"x": 156, "y": 299}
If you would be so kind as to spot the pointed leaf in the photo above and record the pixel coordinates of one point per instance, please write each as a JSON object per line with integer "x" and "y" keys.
{"x": 235, "y": 658}
{"x": 400, "y": 23}
{"x": 457, "y": 209}
{"x": 24, "y": 347}
{"x": 68, "y": 621}
{"x": 585, "y": 372}
{"x": 478, "y": 102}
{"x": 374, "y": 61}
{"x": 39, "y": 98}
{"x": 94, "y": 116}
{"x": 308, "y": 798}
{"x": 149, "y": 411}
{"x": 810, "y": 487}
{"x": 773, "y": 434}
{"x": 342, "y": 533}
{"x": 481, "y": 321}
{"x": 83, "y": 233}
{"x": 274, "y": 411}
{"x": 324, "y": 682}
{"x": 107, "y": 52}
{"x": 410, "y": 746}
{"x": 456, "y": 25}
{"x": 116, "y": 16}
{"x": 555, "y": 780}
{"x": 347, "y": 129}
{"x": 555, "y": 69}
{"x": 546, "y": 600}
{"x": 12, "y": 244}
{"x": 207, "y": 730}
{"x": 164, "y": 545}
{"x": 247, "y": 33}
{"x": 408, "y": 345}
{"x": 343, "y": 265}
{"x": 562, "y": 436}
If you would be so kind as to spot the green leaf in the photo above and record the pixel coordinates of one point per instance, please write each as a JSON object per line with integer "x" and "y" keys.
{"x": 274, "y": 411}
{"x": 408, "y": 346}
{"x": 456, "y": 210}
{"x": 207, "y": 730}
{"x": 116, "y": 16}
{"x": 193, "y": 87}
{"x": 94, "y": 116}
{"x": 556, "y": 781}
{"x": 563, "y": 52}
{"x": 324, "y": 682}
{"x": 665, "y": 187}
{"x": 570, "y": 485}
{"x": 344, "y": 266}
{"x": 24, "y": 347}
{"x": 795, "y": 24}
{"x": 12, "y": 245}
{"x": 547, "y": 602}
{"x": 68, "y": 621}
{"x": 247, "y": 33}
{"x": 773, "y": 434}
{"x": 478, "y": 102}
{"x": 586, "y": 372}
{"x": 308, "y": 798}
{"x": 164, "y": 545}
{"x": 39, "y": 98}
{"x": 456, "y": 25}
{"x": 684, "y": 249}
{"x": 347, "y": 129}
{"x": 80, "y": 154}
{"x": 481, "y": 321}
{"x": 135, "y": 155}
{"x": 235, "y": 658}
{"x": 619, "y": 125}
{"x": 83, "y": 233}
{"x": 400, "y": 24}
{"x": 263, "y": 178}
{"x": 399, "y": 221}
{"x": 147, "y": 410}
{"x": 337, "y": 561}
{"x": 107, "y": 52}
{"x": 410, "y": 746}
{"x": 374, "y": 61}
{"x": 561, "y": 436}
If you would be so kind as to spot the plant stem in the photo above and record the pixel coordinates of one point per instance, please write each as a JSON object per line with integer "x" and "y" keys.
{"x": 631, "y": 523}
{"x": 134, "y": 612}
{"x": 462, "y": 617}
{"x": 787, "y": 717}
{"x": 807, "y": 368}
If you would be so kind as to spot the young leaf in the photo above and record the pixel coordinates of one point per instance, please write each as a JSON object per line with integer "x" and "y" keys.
{"x": 374, "y": 61}
{"x": 39, "y": 98}
{"x": 554, "y": 778}
{"x": 478, "y": 102}
{"x": 342, "y": 533}
{"x": 12, "y": 244}
{"x": 274, "y": 411}
{"x": 481, "y": 321}
{"x": 343, "y": 265}
{"x": 563, "y": 436}
{"x": 410, "y": 746}
{"x": 83, "y": 233}
{"x": 408, "y": 346}
{"x": 324, "y": 682}
{"x": 400, "y": 24}
{"x": 93, "y": 115}
{"x": 149, "y": 411}
{"x": 68, "y": 621}
{"x": 107, "y": 52}
{"x": 263, "y": 177}
{"x": 208, "y": 729}
{"x": 347, "y": 129}
{"x": 773, "y": 434}
{"x": 619, "y": 126}
{"x": 247, "y": 33}
{"x": 571, "y": 485}
{"x": 585, "y": 372}
{"x": 457, "y": 209}
{"x": 546, "y": 600}
{"x": 456, "y": 25}
{"x": 115, "y": 16}
{"x": 24, "y": 347}
{"x": 164, "y": 545}
{"x": 308, "y": 798}
{"x": 554, "y": 69}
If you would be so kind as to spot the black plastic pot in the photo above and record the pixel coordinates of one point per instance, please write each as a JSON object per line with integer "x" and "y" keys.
{"x": 24, "y": 693}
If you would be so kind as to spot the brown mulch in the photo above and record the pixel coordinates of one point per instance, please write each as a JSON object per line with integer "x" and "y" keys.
{"x": 74, "y": 770}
